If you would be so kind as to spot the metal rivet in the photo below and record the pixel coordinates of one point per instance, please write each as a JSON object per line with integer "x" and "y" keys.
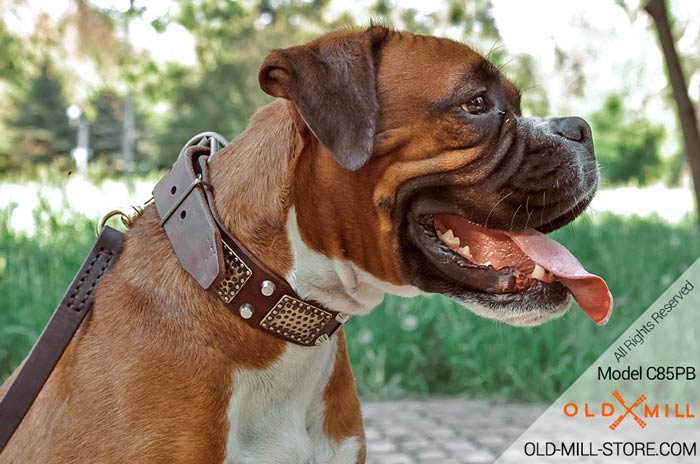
{"x": 267, "y": 288}
{"x": 246, "y": 310}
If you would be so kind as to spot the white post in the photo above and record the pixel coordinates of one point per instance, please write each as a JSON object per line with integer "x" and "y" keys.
{"x": 81, "y": 152}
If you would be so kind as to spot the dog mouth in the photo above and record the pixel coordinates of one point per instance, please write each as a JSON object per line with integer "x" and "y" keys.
{"x": 508, "y": 265}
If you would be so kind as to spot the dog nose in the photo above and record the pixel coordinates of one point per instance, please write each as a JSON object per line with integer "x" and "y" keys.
{"x": 572, "y": 128}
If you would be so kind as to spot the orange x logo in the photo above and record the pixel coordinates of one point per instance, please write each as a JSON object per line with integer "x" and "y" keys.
{"x": 628, "y": 410}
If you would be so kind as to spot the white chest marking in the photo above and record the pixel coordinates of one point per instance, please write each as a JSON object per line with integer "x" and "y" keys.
{"x": 336, "y": 283}
{"x": 276, "y": 414}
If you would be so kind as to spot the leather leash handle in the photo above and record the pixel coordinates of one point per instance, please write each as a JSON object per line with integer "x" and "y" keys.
{"x": 76, "y": 303}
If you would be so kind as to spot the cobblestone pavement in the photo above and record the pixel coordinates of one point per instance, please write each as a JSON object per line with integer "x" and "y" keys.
{"x": 444, "y": 431}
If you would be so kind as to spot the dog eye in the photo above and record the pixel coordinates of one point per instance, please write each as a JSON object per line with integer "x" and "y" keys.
{"x": 476, "y": 105}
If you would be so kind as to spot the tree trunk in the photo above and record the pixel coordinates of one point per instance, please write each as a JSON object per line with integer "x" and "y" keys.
{"x": 686, "y": 113}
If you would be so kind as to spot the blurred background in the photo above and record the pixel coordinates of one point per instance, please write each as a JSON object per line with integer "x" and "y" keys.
{"x": 98, "y": 96}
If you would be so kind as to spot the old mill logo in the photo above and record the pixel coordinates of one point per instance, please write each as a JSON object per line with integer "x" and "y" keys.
{"x": 639, "y": 410}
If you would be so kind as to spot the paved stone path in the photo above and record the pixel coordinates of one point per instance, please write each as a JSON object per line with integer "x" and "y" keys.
{"x": 444, "y": 431}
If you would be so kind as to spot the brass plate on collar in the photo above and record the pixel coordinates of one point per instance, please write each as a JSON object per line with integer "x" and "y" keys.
{"x": 296, "y": 319}
{"x": 236, "y": 275}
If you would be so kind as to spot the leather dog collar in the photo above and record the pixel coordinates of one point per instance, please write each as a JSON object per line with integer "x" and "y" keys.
{"x": 222, "y": 265}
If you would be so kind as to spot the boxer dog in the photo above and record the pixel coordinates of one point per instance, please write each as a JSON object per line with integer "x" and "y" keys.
{"x": 389, "y": 163}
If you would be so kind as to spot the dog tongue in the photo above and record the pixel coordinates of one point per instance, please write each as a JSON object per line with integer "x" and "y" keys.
{"x": 590, "y": 291}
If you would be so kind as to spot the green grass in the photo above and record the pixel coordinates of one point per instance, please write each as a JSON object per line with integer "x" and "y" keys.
{"x": 34, "y": 273}
{"x": 404, "y": 347}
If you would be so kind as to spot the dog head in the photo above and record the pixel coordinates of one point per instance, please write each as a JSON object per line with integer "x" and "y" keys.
{"x": 420, "y": 173}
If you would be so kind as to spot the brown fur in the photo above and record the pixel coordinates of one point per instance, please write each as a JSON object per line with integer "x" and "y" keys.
{"x": 135, "y": 384}
{"x": 148, "y": 376}
{"x": 407, "y": 145}
{"x": 343, "y": 415}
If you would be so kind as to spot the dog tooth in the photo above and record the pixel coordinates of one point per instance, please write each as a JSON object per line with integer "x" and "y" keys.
{"x": 449, "y": 238}
{"x": 464, "y": 252}
{"x": 448, "y": 235}
{"x": 538, "y": 272}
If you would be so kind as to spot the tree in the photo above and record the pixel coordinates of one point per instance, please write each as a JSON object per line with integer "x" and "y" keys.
{"x": 106, "y": 129}
{"x": 40, "y": 130}
{"x": 13, "y": 71}
{"x": 657, "y": 9}
{"x": 628, "y": 147}
{"x": 222, "y": 91}
{"x": 12, "y": 57}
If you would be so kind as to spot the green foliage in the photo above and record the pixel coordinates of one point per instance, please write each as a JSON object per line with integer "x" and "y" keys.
{"x": 106, "y": 128}
{"x": 534, "y": 95}
{"x": 676, "y": 165}
{"x": 473, "y": 20}
{"x": 627, "y": 145}
{"x": 221, "y": 91}
{"x": 12, "y": 57}
{"x": 233, "y": 38}
{"x": 40, "y": 131}
{"x": 34, "y": 273}
{"x": 478, "y": 20}
{"x": 418, "y": 346}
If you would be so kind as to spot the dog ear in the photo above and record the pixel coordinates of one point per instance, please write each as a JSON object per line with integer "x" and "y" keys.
{"x": 332, "y": 84}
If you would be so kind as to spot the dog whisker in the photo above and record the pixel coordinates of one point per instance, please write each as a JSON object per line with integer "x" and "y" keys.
{"x": 530, "y": 88}
{"x": 500, "y": 68}
{"x": 544, "y": 203}
{"x": 512, "y": 219}
{"x": 527, "y": 211}
{"x": 494, "y": 48}
{"x": 486, "y": 223}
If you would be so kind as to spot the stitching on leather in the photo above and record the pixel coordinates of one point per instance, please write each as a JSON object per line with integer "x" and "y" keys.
{"x": 76, "y": 291}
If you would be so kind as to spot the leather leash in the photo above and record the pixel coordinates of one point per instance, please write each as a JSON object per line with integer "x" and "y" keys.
{"x": 205, "y": 249}
{"x": 57, "y": 334}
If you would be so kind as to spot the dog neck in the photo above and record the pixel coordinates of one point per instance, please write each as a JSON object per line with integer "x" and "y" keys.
{"x": 251, "y": 182}
{"x": 254, "y": 178}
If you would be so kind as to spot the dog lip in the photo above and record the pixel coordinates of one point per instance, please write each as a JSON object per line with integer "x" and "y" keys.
{"x": 535, "y": 291}
{"x": 422, "y": 212}
{"x": 419, "y": 210}
{"x": 568, "y": 216}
